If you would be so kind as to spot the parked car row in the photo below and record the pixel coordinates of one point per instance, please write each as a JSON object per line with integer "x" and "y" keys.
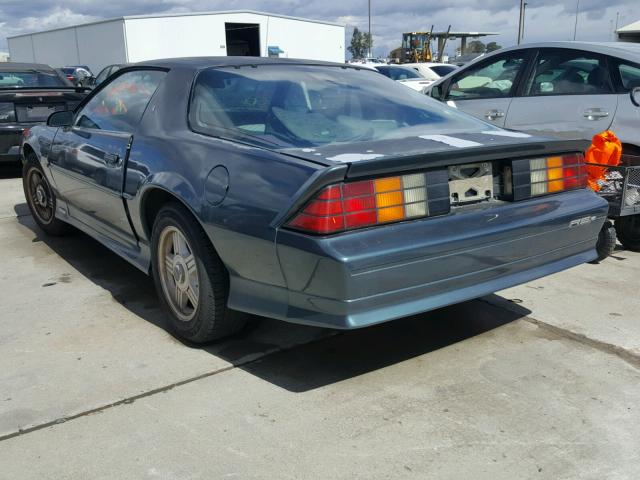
{"x": 275, "y": 187}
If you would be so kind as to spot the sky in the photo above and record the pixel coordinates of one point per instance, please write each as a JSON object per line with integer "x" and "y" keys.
{"x": 545, "y": 19}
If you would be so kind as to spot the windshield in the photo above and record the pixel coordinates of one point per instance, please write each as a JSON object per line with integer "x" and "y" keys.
{"x": 304, "y": 106}
{"x": 398, "y": 73}
{"x": 443, "y": 70}
{"x": 30, "y": 79}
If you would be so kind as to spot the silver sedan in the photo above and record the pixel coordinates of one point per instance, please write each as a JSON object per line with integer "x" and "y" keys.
{"x": 561, "y": 89}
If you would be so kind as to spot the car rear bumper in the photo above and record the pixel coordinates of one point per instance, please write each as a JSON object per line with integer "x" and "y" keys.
{"x": 379, "y": 274}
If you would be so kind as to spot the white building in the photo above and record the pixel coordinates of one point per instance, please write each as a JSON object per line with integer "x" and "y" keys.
{"x": 139, "y": 38}
{"x": 629, "y": 33}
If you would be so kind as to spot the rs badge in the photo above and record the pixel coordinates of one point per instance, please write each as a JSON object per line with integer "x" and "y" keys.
{"x": 581, "y": 221}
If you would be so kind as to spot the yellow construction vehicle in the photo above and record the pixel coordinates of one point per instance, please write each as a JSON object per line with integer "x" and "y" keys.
{"x": 416, "y": 47}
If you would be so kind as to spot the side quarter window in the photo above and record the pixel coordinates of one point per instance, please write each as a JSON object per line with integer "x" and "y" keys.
{"x": 492, "y": 79}
{"x": 629, "y": 76}
{"x": 568, "y": 72}
{"x": 119, "y": 106}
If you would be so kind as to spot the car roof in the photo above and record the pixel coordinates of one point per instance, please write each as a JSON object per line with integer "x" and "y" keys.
{"x": 25, "y": 67}
{"x": 626, "y": 50}
{"x": 198, "y": 63}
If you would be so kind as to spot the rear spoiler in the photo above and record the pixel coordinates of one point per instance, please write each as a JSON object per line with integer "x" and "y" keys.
{"x": 396, "y": 164}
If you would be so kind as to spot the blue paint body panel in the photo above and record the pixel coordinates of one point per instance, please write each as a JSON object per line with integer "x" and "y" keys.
{"x": 242, "y": 195}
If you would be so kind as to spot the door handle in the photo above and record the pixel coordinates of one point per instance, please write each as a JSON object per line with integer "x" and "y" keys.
{"x": 493, "y": 114}
{"x": 112, "y": 159}
{"x": 595, "y": 113}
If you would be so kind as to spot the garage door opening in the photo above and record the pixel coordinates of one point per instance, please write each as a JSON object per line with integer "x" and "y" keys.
{"x": 243, "y": 39}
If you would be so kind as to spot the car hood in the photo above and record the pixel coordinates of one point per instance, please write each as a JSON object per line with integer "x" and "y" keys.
{"x": 431, "y": 150}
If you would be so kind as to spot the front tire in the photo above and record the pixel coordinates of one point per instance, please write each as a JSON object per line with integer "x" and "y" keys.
{"x": 40, "y": 197}
{"x": 190, "y": 278}
{"x": 628, "y": 230}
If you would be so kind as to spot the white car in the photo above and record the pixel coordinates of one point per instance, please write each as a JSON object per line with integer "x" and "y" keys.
{"x": 406, "y": 76}
{"x": 431, "y": 70}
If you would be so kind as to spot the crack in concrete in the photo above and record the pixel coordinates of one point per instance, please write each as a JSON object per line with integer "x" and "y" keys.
{"x": 624, "y": 354}
{"x": 149, "y": 393}
{"x": 628, "y": 356}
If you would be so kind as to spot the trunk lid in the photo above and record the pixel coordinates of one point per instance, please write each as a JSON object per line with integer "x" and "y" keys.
{"x": 33, "y": 105}
{"x": 436, "y": 150}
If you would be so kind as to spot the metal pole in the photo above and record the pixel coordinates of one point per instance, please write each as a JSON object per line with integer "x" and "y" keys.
{"x": 524, "y": 18}
{"x": 369, "y": 43}
{"x": 575, "y": 27}
{"x": 521, "y": 21}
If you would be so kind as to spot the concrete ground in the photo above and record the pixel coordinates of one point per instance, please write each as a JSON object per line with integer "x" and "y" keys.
{"x": 538, "y": 381}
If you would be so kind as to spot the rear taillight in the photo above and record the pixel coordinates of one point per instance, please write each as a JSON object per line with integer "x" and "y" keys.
{"x": 352, "y": 205}
{"x": 541, "y": 176}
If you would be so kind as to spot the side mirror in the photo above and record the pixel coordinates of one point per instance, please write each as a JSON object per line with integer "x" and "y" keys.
{"x": 60, "y": 119}
{"x": 635, "y": 96}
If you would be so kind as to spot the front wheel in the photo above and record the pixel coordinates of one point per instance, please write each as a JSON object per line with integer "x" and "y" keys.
{"x": 628, "y": 230}
{"x": 191, "y": 280}
{"x": 40, "y": 197}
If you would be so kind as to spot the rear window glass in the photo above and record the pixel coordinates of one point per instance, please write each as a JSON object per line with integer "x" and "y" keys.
{"x": 398, "y": 73}
{"x": 300, "y": 106}
{"x": 31, "y": 79}
{"x": 443, "y": 70}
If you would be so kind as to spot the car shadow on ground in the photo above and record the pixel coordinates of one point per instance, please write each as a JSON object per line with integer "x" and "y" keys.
{"x": 294, "y": 357}
{"x": 10, "y": 170}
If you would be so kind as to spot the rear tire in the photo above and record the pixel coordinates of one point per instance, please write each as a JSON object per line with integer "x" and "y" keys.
{"x": 606, "y": 241}
{"x": 190, "y": 278}
{"x": 40, "y": 197}
{"x": 628, "y": 230}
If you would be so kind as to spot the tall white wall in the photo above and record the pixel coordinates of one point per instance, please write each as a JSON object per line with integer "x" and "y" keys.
{"x": 101, "y": 44}
{"x": 204, "y": 35}
{"x": 299, "y": 39}
{"x": 137, "y": 39}
{"x": 21, "y": 49}
{"x": 94, "y": 45}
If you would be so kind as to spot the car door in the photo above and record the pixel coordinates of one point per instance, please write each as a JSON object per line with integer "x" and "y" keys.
{"x": 88, "y": 159}
{"x": 485, "y": 89}
{"x": 626, "y": 123}
{"x": 567, "y": 94}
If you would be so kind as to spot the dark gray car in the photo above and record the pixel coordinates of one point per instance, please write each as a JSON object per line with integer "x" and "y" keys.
{"x": 311, "y": 192}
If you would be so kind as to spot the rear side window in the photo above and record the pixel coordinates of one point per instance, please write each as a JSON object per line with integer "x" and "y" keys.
{"x": 119, "y": 106}
{"x": 493, "y": 79}
{"x": 568, "y": 72}
{"x": 630, "y": 75}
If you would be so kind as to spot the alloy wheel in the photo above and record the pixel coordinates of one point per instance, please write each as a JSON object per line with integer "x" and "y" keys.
{"x": 178, "y": 273}
{"x": 40, "y": 197}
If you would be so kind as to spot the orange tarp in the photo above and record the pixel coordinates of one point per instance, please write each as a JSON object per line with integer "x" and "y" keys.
{"x": 605, "y": 149}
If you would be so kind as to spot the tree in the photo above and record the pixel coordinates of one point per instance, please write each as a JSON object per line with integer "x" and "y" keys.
{"x": 361, "y": 44}
{"x": 476, "y": 46}
{"x": 492, "y": 46}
